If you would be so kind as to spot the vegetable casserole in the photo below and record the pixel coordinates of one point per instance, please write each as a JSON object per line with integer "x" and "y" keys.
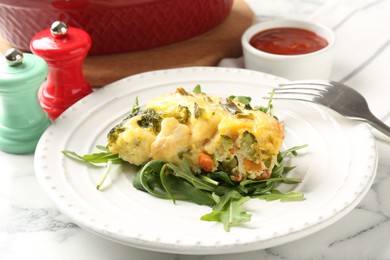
{"x": 211, "y": 133}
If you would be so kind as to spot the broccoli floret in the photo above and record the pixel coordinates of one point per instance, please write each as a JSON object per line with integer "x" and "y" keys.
{"x": 247, "y": 143}
{"x": 227, "y": 142}
{"x": 114, "y": 133}
{"x": 198, "y": 111}
{"x": 180, "y": 113}
{"x": 229, "y": 165}
{"x": 183, "y": 114}
{"x": 151, "y": 119}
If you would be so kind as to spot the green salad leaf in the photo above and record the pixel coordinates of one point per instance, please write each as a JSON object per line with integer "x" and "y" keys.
{"x": 227, "y": 198}
{"x": 185, "y": 172}
{"x": 228, "y": 210}
{"x": 95, "y": 158}
{"x": 198, "y": 89}
{"x": 159, "y": 179}
{"x": 277, "y": 195}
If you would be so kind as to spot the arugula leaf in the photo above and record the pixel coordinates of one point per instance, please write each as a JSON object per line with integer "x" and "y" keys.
{"x": 245, "y": 100}
{"x": 269, "y": 108}
{"x": 97, "y": 158}
{"x": 198, "y": 89}
{"x": 280, "y": 170}
{"x": 165, "y": 182}
{"x": 277, "y": 195}
{"x": 255, "y": 187}
{"x": 94, "y": 158}
{"x": 108, "y": 167}
{"x": 184, "y": 190}
{"x": 149, "y": 177}
{"x": 228, "y": 211}
{"x": 222, "y": 176}
{"x": 292, "y": 150}
{"x": 186, "y": 173}
{"x": 135, "y": 109}
{"x": 158, "y": 179}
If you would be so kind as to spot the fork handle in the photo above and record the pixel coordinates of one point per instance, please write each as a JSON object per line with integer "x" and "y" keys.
{"x": 378, "y": 124}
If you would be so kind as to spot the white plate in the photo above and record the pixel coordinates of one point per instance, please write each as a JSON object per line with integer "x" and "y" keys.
{"x": 337, "y": 169}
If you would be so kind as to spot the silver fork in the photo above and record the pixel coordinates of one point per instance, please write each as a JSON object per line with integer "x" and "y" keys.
{"x": 339, "y": 97}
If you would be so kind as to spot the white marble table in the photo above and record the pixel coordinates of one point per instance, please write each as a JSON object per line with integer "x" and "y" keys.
{"x": 32, "y": 228}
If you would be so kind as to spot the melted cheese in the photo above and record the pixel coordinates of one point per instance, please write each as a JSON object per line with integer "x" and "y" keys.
{"x": 171, "y": 142}
{"x": 134, "y": 144}
{"x": 208, "y": 121}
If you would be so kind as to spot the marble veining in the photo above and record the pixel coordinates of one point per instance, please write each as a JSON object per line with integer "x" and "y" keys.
{"x": 35, "y": 220}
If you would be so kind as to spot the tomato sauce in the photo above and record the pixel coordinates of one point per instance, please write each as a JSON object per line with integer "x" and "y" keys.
{"x": 288, "y": 41}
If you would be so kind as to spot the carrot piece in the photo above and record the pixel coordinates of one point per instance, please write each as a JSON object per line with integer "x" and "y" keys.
{"x": 206, "y": 162}
{"x": 234, "y": 149}
{"x": 251, "y": 166}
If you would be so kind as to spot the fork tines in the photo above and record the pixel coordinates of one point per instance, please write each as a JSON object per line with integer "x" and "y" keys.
{"x": 308, "y": 83}
{"x": 303, "y": 86}
{"x": 301, "y": 90}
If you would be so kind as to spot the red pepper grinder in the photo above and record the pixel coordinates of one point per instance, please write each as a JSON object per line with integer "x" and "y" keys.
{"x": 64, "y": 50}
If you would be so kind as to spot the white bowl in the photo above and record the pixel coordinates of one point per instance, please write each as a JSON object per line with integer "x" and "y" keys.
{"x": 314, "y": 65}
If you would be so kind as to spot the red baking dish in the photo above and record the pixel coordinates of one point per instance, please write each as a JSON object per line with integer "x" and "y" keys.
{"x": 115, "y": 26}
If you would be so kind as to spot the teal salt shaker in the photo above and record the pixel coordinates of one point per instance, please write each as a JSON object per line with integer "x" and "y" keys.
{"x": 22, "y": 120}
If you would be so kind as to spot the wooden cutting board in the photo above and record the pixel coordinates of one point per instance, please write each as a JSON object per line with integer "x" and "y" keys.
{"x": 203, "y": 50}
